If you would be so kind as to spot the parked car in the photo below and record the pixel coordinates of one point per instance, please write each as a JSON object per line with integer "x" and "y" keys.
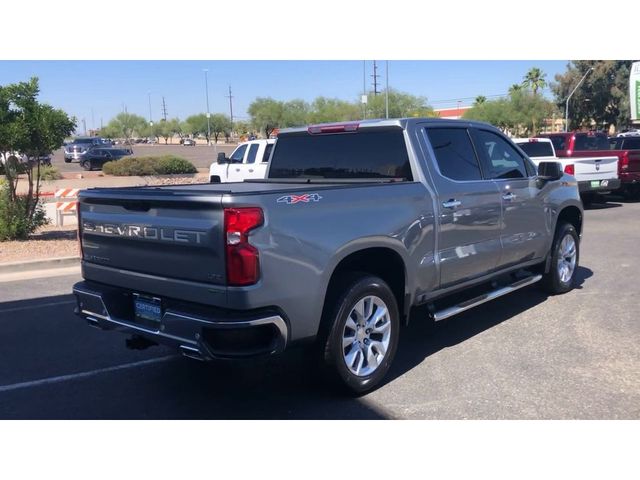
{"x": 630, "y": 133}
{"x": 248, "y": 161}
{"x": 188, "y": 142}
{"x": 20, "y": 158}
{"x": 624, "y": 143}
{"x": 95, "y": 157}
{"x": 596, "y": 144}
{"x": 77, "y": 149}
{"x": 595, "y": 175}
{"x": 356, "y": 226}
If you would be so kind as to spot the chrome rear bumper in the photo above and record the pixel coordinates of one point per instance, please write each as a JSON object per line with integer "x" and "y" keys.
{"x": 196, "y": 332}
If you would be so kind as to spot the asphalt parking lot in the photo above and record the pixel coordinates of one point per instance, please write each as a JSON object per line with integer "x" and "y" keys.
{"x": 524, "y": 356}
{"x": 201, "y": 155}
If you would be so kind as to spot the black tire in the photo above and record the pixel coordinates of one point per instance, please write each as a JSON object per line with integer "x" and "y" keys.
{"x": 351, "y": 290}
{"x": 552, "y": 282}
{"x": 214, "y": 179}
{"x": 87, "y": 165}
{"x": 67, "y": 160}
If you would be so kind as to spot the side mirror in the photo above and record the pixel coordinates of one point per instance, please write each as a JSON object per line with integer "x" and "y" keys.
{"x": 222, "y": 158}
{"x": 550, "y": 171}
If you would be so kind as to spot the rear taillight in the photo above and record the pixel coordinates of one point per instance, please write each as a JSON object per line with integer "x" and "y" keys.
{"x": 624, "y": 161}
{"x": 570, "y": 169}
{"x": 243, "y": 261}
{"x": 79, "y": 233}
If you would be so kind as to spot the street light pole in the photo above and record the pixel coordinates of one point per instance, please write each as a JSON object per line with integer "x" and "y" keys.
{"x": 566, "y": 108}
{"x": 150, "y": 118}
{"x": 206, "y": 88}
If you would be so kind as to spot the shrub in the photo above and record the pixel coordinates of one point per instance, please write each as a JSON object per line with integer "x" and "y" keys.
{"x": 48, "y": 173}
{"x": 164, "y": 165}
{"x": 14, "y": 223}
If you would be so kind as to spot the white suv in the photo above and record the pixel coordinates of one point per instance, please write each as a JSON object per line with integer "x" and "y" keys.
{"x": 248, "y": 160}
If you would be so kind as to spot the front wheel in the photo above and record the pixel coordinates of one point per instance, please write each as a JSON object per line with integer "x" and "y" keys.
{"x": 87, "y": 165}
{"x": 363, "y": 337}
{"x": 565, "y": 254}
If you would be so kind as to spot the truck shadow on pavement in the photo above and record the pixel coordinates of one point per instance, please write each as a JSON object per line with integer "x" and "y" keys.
{"x": 422, "y": 338}
{"x": 282, "y": 387}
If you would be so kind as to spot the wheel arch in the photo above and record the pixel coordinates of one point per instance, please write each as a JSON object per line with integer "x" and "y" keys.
{"x": 381, "y": 261}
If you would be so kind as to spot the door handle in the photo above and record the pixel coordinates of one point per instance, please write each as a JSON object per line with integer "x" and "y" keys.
{"x": 453, "y": 203}
{"x": 237, "y": 169}
{"x": 251, "y": 170}
{"x": 509, "y": 196}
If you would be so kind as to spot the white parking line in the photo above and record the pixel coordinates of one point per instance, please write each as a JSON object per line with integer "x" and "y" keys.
{"x": 75, "y": 376}
{"x": 42, "y": 305}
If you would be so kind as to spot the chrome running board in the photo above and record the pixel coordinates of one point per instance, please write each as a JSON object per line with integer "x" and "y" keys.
{"x": 474, "y": 302}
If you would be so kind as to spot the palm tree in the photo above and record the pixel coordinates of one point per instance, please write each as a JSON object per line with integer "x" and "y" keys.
{"x": 480, "y": 99}
{"x": 535, "y": 79}
{"x": 516, "y": 87}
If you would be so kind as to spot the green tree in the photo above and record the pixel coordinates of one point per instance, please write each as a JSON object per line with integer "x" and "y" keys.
{"x": 400, "y": 105}
{"x": 33, "y": 130}
{"x": 602, "y": 99}
{"x": 197, "y": 125}
{"x": 480, "y": 99}
{"x": 535, "y": 80}
{"x": 220, "y": 124}
{"x": 164, "y": 130}
{"x": 295, "y": 113}
{"x": 241, "y": 127}
{"x": 327, "y": 110}
{"x": 520, "y": 114}
{"x": 125, "y": 125}
{"x": 266, "y": 114}
{"x": 516, "y": 87}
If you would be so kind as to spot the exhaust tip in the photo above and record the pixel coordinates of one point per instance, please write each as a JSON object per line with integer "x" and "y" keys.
{"x": 191, "y": 352}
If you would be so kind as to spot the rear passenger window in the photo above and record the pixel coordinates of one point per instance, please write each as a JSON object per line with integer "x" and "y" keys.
{"x": 501, "y": 159}
{"x": 253, "y": 151}
{"x": 454, "y": 153}
{"x": 267, "y": 152}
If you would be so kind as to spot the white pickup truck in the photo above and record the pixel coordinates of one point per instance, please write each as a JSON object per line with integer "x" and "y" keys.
{"x": 595, "y": 175}
{"x": 249, "y": 160}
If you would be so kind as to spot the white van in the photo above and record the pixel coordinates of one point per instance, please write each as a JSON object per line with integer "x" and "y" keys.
{"x": 248, "y": 160}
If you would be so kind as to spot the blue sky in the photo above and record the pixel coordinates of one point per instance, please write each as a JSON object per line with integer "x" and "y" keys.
{"x": 79, "y": 87}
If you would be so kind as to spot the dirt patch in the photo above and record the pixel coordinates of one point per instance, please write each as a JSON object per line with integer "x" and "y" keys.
{"x": 48, "y": 242}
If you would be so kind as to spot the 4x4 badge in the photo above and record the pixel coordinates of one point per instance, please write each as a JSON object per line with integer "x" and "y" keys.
{"x": 304, "y": 198}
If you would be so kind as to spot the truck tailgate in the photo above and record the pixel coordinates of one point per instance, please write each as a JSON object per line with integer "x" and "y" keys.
{"x": 159, "y": 232}
{"x": 595, "y": 168}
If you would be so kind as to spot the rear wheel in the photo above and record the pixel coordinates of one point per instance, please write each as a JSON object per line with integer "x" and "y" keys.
{"x": 565, "y": 254}
{"x": 67, "y": 160}
{"x": 363, "y": 335}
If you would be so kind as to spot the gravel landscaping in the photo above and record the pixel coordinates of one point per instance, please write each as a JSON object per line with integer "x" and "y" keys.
{"x": 48, "y": 242}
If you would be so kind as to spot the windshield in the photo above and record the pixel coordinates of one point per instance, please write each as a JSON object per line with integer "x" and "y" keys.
{"x": 537, "y": 149}
{"x": 366, "y": 154}
{"x": 83, "y": 140}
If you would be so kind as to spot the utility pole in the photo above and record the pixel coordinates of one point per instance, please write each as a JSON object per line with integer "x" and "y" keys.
{"x": 386, "y": 91}
{"x": 84, "y": 126}
{"x": 364, "y": 89}
{"x": 93, "y": 123}
{"x": 230, "y": 97}
{"x": 375, "y": 78}
{"x": 164, "y": 110}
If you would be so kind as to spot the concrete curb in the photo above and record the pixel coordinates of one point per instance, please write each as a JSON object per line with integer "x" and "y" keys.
{"x": 45, "y": 264}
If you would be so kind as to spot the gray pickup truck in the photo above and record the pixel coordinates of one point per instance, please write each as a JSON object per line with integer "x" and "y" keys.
{"x": 355, "y": 226}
